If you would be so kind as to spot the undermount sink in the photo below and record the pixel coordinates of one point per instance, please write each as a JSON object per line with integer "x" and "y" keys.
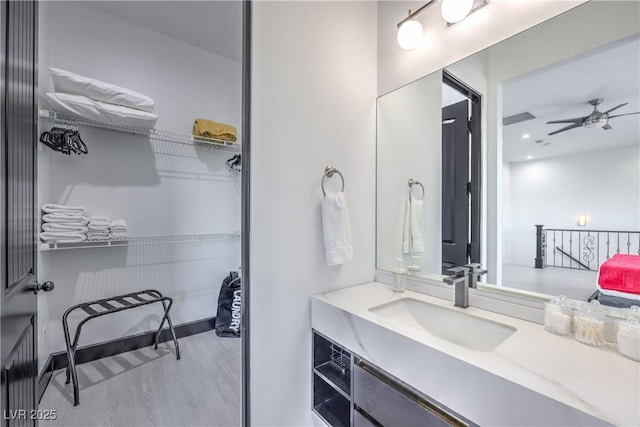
{"x": 455, "y": 326}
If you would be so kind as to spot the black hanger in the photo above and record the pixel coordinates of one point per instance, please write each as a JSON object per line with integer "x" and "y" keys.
{"x": 235, "y": 163}
{"x": 64, "y": 140}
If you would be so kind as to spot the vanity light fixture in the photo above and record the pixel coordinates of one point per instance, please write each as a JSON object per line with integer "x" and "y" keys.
{"x": 410, "y": 31}
{"x": 456, "y": 10}
{"x": 582, "y": 220}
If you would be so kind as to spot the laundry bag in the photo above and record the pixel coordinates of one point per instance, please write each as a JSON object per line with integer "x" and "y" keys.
{"x": 229, "y": 316}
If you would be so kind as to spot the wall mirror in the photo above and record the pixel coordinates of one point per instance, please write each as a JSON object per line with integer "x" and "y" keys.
{"x": 541, "y": 205}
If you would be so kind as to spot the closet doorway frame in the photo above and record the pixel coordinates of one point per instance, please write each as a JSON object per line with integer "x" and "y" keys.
{"x": 245, "y": 209}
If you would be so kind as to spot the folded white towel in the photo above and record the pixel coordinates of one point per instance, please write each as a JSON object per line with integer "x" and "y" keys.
{"x": 413, "y": 231}
{"x": 119, "y": 224}
{"x": 119, "y": 236}
{"x": 336, "y": 229}
{"x": 94, "y": 237}
{"x": 50, "y": 236}
{"x": 65, "y": 218}
{"x": 51, "y": 208}
{"x": 99, "y": 228}
{"x": 65, "y": 228}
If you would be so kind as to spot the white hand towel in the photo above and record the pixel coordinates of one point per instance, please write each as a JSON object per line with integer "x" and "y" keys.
{"x": 119, "y": 225}
{"x": 94, "y": 237}
{"x": 417, "y": 225}
{"x": 336, "y": 229}
{"x": 65, "y": 218}
{"x": 413, "y": 230}
{"x": 120, "y": 236}
{"x": 64, "y": 228}
{"x": 51, "y": 208}
{"x": 99, "y": 228}
{"x": 50, "y": 236}
{"x": 406, "y": 229}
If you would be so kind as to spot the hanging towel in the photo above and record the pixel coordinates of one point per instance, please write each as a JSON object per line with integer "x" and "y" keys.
{"x": 53, "y": 237}
{"x": 65, "y": 218}
{"x": 51, "y": 208}
{"x": 336, "y": 229}
{"x": 63, "y": 228}
{"x": 413, "y": 231}
{"x": 211, "y": 129}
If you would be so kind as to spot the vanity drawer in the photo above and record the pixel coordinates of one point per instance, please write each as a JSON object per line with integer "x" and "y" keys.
{"x": 392, "y": 403}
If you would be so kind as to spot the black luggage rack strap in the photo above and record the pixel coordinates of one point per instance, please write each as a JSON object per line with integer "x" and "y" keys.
{"x": 106, "y": 306}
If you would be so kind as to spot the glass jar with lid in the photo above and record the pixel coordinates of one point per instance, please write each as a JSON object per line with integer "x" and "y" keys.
{"x": 558, "y": 316}
{"x": 628, "y": 335}
{"x": 589, "y": 325}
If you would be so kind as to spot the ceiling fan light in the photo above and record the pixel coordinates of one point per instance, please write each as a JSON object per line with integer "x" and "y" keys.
{"x": 456, "y": 10}
{"x": 410, "y": 34}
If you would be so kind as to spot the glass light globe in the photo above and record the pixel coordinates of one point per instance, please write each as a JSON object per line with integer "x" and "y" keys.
{"x": 410, "y": 34}
{"x": 456, "y": 10}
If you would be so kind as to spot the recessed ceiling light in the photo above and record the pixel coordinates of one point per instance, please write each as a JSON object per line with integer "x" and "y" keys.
{"x": 529, "y": 157}
{"x": 526, "y": 136}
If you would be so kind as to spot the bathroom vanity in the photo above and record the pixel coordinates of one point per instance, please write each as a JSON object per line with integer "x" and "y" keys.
{"x": 409, "y": 356}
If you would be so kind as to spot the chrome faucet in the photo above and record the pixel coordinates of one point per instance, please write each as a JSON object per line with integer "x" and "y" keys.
{"x": 460, "y": 280}
{"x": 475, "y": 271}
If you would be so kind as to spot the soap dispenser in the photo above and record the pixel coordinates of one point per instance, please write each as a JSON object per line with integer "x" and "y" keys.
{"x": 399, "y": 276}
{"x": 414, "y": 267}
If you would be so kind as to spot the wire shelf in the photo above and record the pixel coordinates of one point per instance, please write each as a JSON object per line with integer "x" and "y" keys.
{"x": 152, "y": 133}
{"x": 341, "y": 358}
{"x": 137, "y": 241}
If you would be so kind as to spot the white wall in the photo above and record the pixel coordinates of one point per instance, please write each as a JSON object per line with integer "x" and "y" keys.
{"x": 159, "y": 188}
{"x": 603, "y": 184}
{"x": 444, "y": 45}
{"x": 313, "y": 105}
{"x": 409, "y": 133}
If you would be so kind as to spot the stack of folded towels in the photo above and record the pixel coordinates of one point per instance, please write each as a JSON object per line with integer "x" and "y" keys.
{"x": 119, "y": 229}
{"x": 99, "y": 227}
{"x": 99, "y": 101}
{"x": 64, "y": 224}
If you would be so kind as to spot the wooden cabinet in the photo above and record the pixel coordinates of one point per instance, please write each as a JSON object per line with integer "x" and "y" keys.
{"x": 349, "y": 391}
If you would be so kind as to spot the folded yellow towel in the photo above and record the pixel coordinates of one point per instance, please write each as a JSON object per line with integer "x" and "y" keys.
{"x": 211, "y": 129}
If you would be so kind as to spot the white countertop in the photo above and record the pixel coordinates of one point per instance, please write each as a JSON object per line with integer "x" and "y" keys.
{"x": 597, "y": 381}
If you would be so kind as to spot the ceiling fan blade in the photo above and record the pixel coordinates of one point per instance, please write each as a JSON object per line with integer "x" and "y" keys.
{"x": 576, "y": 120}
{"x": 615, "y": 108}
{"x": 628, "y": 114}
{"x": 575, "y": 125}
{"x": 607, "y": 127}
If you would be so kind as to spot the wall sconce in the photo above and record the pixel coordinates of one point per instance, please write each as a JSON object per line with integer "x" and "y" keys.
{"x": 410, "y": 31}
{"x": 582, "y": 220}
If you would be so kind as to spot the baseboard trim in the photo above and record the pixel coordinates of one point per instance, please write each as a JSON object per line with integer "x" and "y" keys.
{"x": 93, "y": 352}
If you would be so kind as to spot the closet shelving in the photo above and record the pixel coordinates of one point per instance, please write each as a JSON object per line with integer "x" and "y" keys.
{"x": 152, "y": 133}
{"x": 137, "y": 241}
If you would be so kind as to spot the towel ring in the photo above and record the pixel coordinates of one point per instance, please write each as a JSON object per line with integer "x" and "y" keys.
{"x": 412, "y": 182}
{"x": 328, "y": 173}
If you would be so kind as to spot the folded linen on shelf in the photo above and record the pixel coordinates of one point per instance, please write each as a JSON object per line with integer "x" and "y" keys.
{"x": 53, "y": 237}
{"x": 98, "y": 228}
{"x": 65, "y": 218}
{"x": 101, "y": 112}
{"x": 210, "y": 129}
{"x": 52, "y": 208}
{"x": 64, "y": 228}
{"x": 119, "y": 225}
{"x": 98, "y": 236}
{"x": 68, "y": 82}
{"x": 120, "y": 236}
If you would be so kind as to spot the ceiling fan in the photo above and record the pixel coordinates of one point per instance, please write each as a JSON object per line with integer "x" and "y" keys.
{"x": 596, "y": 118}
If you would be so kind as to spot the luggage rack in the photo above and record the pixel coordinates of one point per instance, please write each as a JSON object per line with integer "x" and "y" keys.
{"x": 106, "y": 306}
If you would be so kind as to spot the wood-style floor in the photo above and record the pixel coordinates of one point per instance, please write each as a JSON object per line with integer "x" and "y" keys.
{"x": 149, "y": 387}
